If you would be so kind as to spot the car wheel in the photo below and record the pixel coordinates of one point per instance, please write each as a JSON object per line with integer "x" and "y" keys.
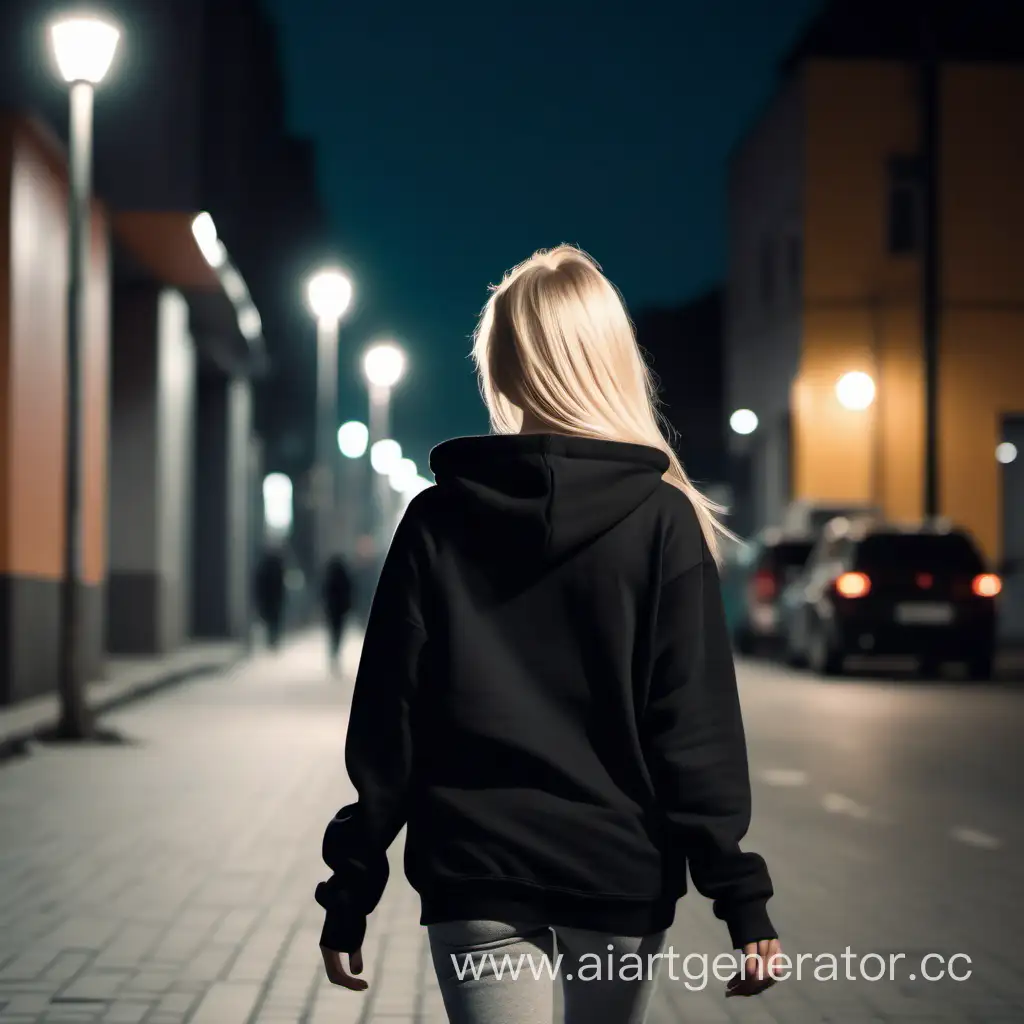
{"x": 823, "y": 658}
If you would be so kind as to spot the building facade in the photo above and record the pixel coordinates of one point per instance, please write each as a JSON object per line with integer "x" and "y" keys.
{"x": 191, "y": 121}
{"x": 825, "y": 274}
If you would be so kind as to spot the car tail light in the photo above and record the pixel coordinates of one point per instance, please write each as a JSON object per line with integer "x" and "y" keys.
{"x": 853, "y": 584}
{"x": 986, "y": 585}
{"x": 763, "y": 585}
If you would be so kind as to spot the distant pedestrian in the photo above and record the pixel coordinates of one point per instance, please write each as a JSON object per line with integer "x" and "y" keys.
{"x": 336, "y": 595}
{"x": 270, "y": 591}
{"x": 546, "y": 698}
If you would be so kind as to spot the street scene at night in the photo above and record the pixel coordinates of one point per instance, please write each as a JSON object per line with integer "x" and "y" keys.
{"x": 319, "y": 491}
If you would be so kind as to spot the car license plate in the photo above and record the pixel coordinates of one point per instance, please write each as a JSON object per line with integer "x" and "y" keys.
{"x": 922, "y": 613}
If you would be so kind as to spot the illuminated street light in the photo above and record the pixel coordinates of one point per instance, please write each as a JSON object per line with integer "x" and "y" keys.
{"x": 383, "y": 367}
{"x": 855, "y": 391}
{"x": 353, "y": 438}
{"x": 1006, "y": 452}
{"x": 83, "y": 48}
{"x": 403, "y": 475}
{"x": 329, "y": 293}
{"x": 385, "y": 456}
{"x": 743, "y": 421}
{"x": 205, "y": 233}
{"x": 278, "y": 509}
{"x": 384, "y": 364}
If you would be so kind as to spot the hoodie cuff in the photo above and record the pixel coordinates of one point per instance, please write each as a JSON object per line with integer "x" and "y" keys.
{"x": 749, "y": 922}
{"x": 342, "y": 933}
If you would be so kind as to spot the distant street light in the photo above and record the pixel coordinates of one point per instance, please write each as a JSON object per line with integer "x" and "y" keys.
{"x": 855, "y": 391}
{"x": 329, "y": 294}
{"x": 385, "y": 455}
{"x": 205, "y": 233}
{"x": 84, "y": 49}
{"x": 278, "y": 503}
{"x": 384, "y": 364}
{"x": 743, "y": 421}
{"x": 403, "y": 475}
{"x": 353, "y": 438}
{"x": 1006, "y": 452}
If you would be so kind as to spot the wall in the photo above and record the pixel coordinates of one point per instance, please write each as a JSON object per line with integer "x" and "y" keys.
{"x": 33, "y": 333}
{"x": 860, "y": 304}
{"x": 762, "y": 347}
{"x": 153, "y": 385}
{"x": 221, "y": 555}
{"x": 982, "y": 369}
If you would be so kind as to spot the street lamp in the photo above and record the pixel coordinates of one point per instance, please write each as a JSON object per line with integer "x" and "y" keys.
{"x": 83, "y": 48}
{"x": 353, "y": 438}
{"x": 385, "y": 455}
{"x": 743, "y": 421}
{"x": 383, "y": 366}
{"x": 329, "y": 294}
{"x": 855, "y": 391}
{"x": 402, "y": 475}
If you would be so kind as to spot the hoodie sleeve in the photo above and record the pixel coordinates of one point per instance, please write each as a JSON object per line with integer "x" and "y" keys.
{"x": 378, "y": 750}
{"x": 696, "y": 752}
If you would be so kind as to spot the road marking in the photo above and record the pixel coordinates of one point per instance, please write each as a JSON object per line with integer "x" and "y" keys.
{"x": 783, "y": 777}
{"x": 836, "y": 803}
{"x": 972, "y": 837}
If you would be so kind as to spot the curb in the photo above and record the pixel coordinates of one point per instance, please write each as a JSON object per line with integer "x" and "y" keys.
{"x": 18, "y": 743}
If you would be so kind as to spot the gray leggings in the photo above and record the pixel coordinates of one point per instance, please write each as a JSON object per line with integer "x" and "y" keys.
{"x": 508, "y": 969}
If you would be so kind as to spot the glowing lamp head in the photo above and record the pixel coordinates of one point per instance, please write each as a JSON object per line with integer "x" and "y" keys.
{"x": 204, "y": 231}
{"x": 743, "y": 421}
{"x": 384, "y": 364}
{"x": 1006, "y": 452}
{"x": 277, "y": 501}
{"x": 855, "y": 391}
{"x": 403, "y": 476}
{"x": 329, "y": 294}
{"x": 84, "y": 48}
{"x": 353, "y": 437}
{"x": 385, "y": 456}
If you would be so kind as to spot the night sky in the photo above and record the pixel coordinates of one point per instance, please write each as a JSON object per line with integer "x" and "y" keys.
{"x": 455, "y": 138}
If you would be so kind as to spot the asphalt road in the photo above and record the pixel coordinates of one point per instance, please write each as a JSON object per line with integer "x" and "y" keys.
{"x": 169, "y": 879}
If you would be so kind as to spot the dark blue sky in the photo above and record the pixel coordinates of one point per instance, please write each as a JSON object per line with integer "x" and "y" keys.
{"x": 455, "y": 138}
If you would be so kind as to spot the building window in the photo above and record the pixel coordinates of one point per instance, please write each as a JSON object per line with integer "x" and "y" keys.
{"x": 903, "y": 228}
{"x": 766, "y": 272}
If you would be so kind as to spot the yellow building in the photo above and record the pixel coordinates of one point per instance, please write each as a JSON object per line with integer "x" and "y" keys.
{"x": 825, "y": 279}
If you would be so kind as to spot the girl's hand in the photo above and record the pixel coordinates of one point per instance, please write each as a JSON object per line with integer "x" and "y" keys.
{"x": 336, "y": 973}
{"x": 760, "y": 960}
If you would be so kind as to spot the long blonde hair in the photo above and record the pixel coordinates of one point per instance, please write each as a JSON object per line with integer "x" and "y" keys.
{"x": 554, "y": 340}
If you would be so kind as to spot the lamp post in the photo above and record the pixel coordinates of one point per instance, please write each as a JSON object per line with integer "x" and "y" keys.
{"x": 329, "y": 293}
{"x": 353, "y": 440}
{"x": 383, "y": 366}
{"x": 83, "y": 48}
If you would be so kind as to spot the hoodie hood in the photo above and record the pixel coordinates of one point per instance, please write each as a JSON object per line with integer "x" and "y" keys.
{"x": 548, "y": 494}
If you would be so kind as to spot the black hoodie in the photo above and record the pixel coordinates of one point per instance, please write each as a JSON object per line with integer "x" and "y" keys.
{"x": 546, "y": 698}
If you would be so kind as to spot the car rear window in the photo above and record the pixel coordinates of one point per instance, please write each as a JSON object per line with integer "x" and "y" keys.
{"x": 941, "y": 553}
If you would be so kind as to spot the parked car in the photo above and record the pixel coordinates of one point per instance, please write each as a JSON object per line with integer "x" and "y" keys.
{"x": 754, "y": 583}
{"x": 878, "y": 589}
